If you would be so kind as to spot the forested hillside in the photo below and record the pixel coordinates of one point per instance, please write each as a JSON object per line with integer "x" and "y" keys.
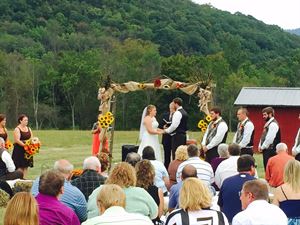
{"x": 55, "y": 54}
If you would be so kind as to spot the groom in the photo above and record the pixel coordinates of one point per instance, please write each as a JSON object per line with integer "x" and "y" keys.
{"x": 178, "y": 127}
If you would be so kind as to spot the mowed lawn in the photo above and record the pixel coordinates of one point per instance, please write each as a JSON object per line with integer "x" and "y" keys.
{"x": 76, "y": 145}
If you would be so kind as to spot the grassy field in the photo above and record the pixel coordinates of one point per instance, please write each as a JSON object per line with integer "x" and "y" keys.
{"x": 76, "y": 145}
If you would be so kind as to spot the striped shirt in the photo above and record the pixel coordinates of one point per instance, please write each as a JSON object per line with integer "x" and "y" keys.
{"x": 204, "y": 170}
{"x": 72, "y": 197}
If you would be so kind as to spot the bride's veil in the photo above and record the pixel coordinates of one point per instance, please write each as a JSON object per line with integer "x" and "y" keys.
{"x": 142, "y": 126}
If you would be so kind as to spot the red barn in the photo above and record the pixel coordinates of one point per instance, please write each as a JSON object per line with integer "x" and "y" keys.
{"x": 286, "y": 103}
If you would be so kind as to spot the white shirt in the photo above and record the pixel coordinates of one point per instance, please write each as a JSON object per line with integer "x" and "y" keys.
{"x": 226, "y": 168}
{"x": 6, "y": 158}
{"x": 260, "y": 212}
{"x": 204, "y": 170}
{"x": 117, "y": 215}
{"x": 175, "y": 121}
{"x": 207, "y": 216}
{"x": 217, "y": 139}
{"x": 248, "y": 130}
{"x": 296, "y": 149}
{"x": 272, "y": 131}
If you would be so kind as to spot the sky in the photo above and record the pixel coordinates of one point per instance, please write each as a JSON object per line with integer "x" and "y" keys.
{"x": 284, "y": 13}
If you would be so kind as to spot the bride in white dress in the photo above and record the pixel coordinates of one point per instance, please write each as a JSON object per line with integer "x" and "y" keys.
{"x": 149, "y": 131}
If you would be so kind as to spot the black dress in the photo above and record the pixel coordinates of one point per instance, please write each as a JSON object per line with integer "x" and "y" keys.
{"x": 153, "y": 191}
{"x": 4, "y": 136}
{"x": 18, "y": 154}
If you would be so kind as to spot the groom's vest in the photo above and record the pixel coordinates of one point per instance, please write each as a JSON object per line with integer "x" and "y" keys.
{"x": 182, "y": 127}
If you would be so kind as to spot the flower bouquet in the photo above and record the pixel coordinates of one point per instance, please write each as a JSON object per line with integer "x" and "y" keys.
{"x": 8, "y": 145}
{"x": 76, "y": 173}
{"x": 32, "y": 146}
{"x": 202, "y": 124}
{"x": 106, "y": 119}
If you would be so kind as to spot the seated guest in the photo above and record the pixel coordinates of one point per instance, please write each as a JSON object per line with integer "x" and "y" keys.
{"x": 132, "y": 158}
{"x": 51, "y": 210}
{"x": 276, "y": 164}
{"x": 137, "y": 199}
{"x": 91, "y": 178}
{"x": 72, "y": 196}
{"x": 161, "y": 179}
{"x": 228, "y": 167}
{"x": 257, "y": 209}
{"x": 229, "y": 199}
{"x": 145, "y": 174}
{"x": 180, "y": 156}
{"x": 223, "y": 154}
{"x": 204, "y": 169}
{"x": 7, "y": 167}
{"x": 22, "y": 209}
{"x": 287, "y": 196}
{"x": 194, "y": 202}
{"x": 111, "y": 203}
{"x": 104, "y": 161}
{"x": 188, "y": 171}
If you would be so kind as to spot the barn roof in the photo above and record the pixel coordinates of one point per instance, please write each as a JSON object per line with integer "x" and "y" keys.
{"x": 268, "y": 96}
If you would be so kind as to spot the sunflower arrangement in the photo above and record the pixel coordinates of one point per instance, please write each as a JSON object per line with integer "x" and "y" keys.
{"x": 106, "y": 119}
{"x": 202, "y": 124}
{"x": 32, "y": 146}
{"x": 8, "y": 145}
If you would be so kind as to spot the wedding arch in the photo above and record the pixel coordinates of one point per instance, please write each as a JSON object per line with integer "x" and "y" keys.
{"x": 107, "y": 98}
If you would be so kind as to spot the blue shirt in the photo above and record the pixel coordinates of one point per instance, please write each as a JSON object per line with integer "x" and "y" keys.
{"x": 72, "y": 197}
{"x": 160, "y": 174}
{"x": 174, "y": 195}
{"x": 229, "y": 199}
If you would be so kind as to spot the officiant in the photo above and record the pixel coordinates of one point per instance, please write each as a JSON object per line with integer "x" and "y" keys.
{"x": 166, "y": 140}
{"x": 178, "y": 127}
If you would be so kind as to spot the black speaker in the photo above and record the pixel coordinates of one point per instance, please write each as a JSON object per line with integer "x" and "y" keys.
{"x": 127, "y": 149}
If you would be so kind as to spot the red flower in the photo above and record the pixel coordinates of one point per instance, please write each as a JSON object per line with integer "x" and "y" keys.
{"x": 179, "y": 85}
{"x": 157, "y": 83}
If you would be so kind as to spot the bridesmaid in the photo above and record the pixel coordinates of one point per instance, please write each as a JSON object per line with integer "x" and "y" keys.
{"x": 22, "y": 133}
{"x": 3, "y": 131}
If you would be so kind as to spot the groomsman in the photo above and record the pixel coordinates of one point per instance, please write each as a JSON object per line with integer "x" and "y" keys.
{"x": 271, "y": 135}
{"x": 178, "y": 126}
{"x": 296, "y": 148}
{"x": 215, "y": 134}
{"x": 245, "y": 132}
{"x": 166, "y": 138}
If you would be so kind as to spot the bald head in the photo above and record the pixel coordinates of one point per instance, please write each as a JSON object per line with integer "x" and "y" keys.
{"x": 64, "y": 167}
{"x": 188, "y": 171}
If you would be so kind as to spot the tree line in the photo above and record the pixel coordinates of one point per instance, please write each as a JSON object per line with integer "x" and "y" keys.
{"x": 55, "y": 54}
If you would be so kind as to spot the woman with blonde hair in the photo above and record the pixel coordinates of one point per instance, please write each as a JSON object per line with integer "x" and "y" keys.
{"x": 145, "y": 174}
{"x": 287, "y": 196}
{"x": 180, "y": 156}
{"x": 22, "y": 209}
{"x": 149, "y": 131}
{"x": 137, "y": 199}
{"x": 195, "y": 200}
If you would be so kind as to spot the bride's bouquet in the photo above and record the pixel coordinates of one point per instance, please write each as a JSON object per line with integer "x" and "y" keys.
{"x": 32, "y": 146}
